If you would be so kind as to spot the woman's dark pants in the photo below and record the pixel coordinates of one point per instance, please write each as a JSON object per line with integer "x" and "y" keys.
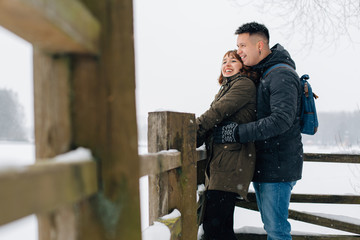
{"x": 219, "y": 215}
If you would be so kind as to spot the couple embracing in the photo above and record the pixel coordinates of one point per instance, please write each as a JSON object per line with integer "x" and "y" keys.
{"x": 252, "y": 133}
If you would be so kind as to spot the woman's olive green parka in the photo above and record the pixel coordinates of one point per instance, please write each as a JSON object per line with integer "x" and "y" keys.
{"x": 230, "y": 167}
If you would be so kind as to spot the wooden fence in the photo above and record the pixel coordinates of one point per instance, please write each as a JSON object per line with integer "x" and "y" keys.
{"x": 51, "y": 186}
{"x": 84, "y": 95}
{"x": 166, "y": 131}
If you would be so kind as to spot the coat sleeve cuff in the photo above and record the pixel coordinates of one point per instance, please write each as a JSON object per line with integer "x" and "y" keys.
{"x": 244, "y": 134}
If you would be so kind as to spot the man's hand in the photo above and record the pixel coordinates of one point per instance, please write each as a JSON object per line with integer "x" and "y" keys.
{"x": 226, "y": 132}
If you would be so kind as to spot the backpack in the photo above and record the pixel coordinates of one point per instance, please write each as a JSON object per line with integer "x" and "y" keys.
{"x": 308, "y": 117}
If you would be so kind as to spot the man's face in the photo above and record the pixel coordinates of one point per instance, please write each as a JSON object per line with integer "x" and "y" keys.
{"x": 248, "y": 49}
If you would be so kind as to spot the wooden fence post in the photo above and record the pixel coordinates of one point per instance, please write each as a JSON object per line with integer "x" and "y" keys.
{"x": 104, "y": 120}
{"x": 89, "y": 101}
{"x": 53, "y": 131}
{"x": 176, "y": 188}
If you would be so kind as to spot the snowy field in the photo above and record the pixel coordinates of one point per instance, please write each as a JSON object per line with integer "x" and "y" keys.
{"x": 318, "y": 178}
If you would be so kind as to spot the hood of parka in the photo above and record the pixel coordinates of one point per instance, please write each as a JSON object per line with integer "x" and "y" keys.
{"x": 278, "y": 55}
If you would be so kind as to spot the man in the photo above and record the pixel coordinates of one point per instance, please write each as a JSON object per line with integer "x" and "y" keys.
{"x": 276, "y": 132}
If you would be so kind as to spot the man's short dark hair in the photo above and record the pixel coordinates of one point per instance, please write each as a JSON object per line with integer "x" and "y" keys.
{"x": 254, "y": 28}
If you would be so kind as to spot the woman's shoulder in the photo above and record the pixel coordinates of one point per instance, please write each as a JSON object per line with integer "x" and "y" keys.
{"x": 243, "y": 80}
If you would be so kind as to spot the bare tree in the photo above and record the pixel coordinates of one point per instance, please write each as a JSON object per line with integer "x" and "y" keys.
{"x": 321, "y": 20}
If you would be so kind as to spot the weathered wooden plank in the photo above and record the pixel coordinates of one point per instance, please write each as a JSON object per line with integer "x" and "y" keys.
{"x": 174, "y": 225}
{"x": 155, "y": 163}
{"x": 53, "y": 25}
{"x": 254, "y": 236}
{"x": 335, "y": 158}
{"x": 312, "y": 157}
{"x": 52, "y": 104}
{"x": 104, "y": 120}
{"x": 324, "y": 237}
{"x": 311, "y": 218}
{"x": 171, "y": 130}
{"x": 324, "y": 221}
{"x": 158, "y": 184}
{"x": 201, "y": 154}
{"x": 158, "y": 195}
{"x": 317, "y": 198}
{"x": 201, "y": 165}
{"x": 44, "y": 187}
{"x": 53, "y": 130}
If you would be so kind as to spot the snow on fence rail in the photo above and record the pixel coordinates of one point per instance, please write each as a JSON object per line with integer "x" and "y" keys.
{"x": 45, "y": 186}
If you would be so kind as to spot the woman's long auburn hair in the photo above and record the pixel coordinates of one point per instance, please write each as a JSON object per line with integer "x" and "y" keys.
{"x": 245, "y": 70}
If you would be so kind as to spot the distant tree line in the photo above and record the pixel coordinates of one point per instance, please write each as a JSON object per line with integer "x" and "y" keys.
{"x": 11, "y": 117}
{"x": 336, "y": 129}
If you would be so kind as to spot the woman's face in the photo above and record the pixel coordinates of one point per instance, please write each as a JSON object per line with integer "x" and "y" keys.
{"x": 230, "y": 66}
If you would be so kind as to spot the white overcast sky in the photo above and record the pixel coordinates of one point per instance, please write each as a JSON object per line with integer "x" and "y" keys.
{"x": 178, "y": 49}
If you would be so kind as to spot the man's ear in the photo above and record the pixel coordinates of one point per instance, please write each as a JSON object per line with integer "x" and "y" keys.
{"x": 260, "y": 45}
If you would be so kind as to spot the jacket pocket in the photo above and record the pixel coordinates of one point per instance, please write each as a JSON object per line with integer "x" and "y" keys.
{"x": 225, "y": 157}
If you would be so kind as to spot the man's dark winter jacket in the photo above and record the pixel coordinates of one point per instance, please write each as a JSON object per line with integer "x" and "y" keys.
{"x": 279, "y": 151}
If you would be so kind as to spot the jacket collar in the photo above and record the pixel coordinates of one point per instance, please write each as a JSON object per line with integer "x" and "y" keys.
{"x": 278, "y": 55}
{"x": 230, "y": 79}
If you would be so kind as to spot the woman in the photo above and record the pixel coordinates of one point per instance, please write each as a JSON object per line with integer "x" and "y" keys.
{"x": 230, "y": 167}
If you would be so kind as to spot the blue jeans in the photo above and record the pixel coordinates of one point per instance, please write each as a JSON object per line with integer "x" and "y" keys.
{"x": 273, "y": 201}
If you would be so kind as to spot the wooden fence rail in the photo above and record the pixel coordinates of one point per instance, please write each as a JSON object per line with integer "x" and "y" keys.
{"x": 44, "y": 187}
{"x": 314, "y": 218}
{"x": 58, "y": 26}
{"x": 156, "y": 163}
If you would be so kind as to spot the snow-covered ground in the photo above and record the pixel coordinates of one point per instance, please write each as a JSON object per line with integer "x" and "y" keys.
{"x": 327, "y": 178}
